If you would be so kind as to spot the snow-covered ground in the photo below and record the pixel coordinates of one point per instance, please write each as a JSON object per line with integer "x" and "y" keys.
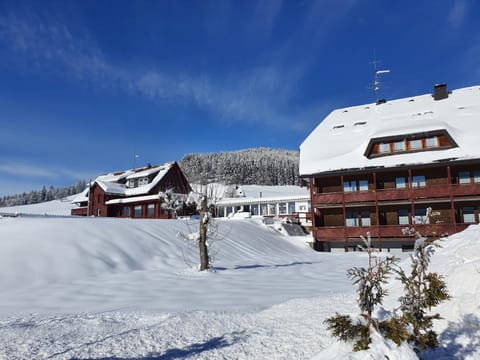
{"x": 99, "y": 288}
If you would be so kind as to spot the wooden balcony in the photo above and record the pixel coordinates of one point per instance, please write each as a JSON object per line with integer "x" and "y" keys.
{"x": 328, "y": 198}
{"x": 428, "y": 192}
{"x": 466, "y": 189}
{"x": 331, "y": 233}
{"x": 80, "y": 211}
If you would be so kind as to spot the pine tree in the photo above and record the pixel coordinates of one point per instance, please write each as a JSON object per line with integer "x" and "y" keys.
{"x": 371, "y": 292}
{"x": 423, "y": 291}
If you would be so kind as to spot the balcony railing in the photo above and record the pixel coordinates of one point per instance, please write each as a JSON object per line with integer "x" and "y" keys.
{"x": 427, "y": 192}
{"x": 385, "y": 231}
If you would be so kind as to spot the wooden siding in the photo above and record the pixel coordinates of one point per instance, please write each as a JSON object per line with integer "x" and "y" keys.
{"x": 442, "y": 192}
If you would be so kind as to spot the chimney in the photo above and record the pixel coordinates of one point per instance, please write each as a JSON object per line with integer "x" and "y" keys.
{"x": 440, "y": 92}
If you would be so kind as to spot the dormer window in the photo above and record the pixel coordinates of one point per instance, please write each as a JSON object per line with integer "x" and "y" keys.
{"x": 143, "y": 181}
{"x": 399, "y": 145}
{"x": 415, "y": 144}
{"x": 425, "y": 141}
{"x": 384, "y": 147}
{"x": 131, "y": 183}
{"x": 432, "y": 141}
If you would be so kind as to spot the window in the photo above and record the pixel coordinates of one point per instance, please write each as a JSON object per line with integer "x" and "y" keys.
{"x": 365, "y": 218}
{"x": 151, "y": 210}
{"x": 400, "y": 182}
{"x": 143, "y": 181}
{"x": 352, "y": 218}
{"x": 420, "y": 216}
{"x": 464, "y": 177}
{"x": 131, "y": 183}
{"x": 291, "y": 207}
{"x": 126, "y": 211}
{"x": 254, "y": 209}
{"x": 282, "y": 208}
{"x": 418, "y": 181}
{"x": 221, "y": 211}
{"x": 468, "y": 215}
{"x": 363, "y": 185}
{"x": 302, "y": 208}
{"x": 399, "y": 145}
{"x": 384, "y": 147}
{"x": 432, "y": 141}
{"x": 263, "y": 209}
{"x": 403, "y": 217}
{"x": 415, "y": 144}
{"x": 476, "y": 176}
{"x": 272, "y": 209}
{"x": 349, "y": 186}
{"x": 137, "y": 211}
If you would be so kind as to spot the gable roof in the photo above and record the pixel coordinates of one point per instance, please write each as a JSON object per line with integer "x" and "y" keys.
{"x": 340, "y": 141}
{"x": 109, "y": 183}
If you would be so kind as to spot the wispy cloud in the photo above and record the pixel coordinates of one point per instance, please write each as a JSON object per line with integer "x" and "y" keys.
{"x": 259, "y": 94}
{"x": 458, "y": 13}
{"x": 27, "y": 170}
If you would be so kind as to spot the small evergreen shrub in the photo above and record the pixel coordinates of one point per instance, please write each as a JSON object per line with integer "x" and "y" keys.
{"x": 423, "y": 290}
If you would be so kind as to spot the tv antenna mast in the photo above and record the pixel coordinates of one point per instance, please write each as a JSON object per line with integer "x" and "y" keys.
{"x": 376, "y": 80}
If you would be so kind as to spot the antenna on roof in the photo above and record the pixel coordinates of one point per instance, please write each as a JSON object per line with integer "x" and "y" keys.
{"x": 377, "y": 73}
{"x": 135, "y": 157}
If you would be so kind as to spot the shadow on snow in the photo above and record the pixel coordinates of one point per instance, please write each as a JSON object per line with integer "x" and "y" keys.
{"x": 194, "y": 349}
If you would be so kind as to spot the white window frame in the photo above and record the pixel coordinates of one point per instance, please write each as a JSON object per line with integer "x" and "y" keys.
{"x": 350, "y": 186}
{"x": 431, "y": 141}
{"x": 282, "y": 208}
{"x": 464, "y": 177}
{"x": 143, "y": 181}
{"x": 150, "y": 210}
{"x": 403, "y": 217}
{"x": 416, "y": 144}
{"x": 384, "y": 148}
{"x": 420, "y": 216}
{"x": 135, "y": 209}
{"x": 476, "y": 176}
{"x": 363, "y": 185}
{"x": 351, "y": 218}
{"x": 399, "y": 184}
{"x": 418, "y": 181}
{"x": 468, "y": 217}
{"x": 399, "y": 145}
{"x": 366, "y": 218}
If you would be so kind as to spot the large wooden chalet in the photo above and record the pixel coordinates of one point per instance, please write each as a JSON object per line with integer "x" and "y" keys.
{"x": 381, "y": 167}
{"x": 137, "y": 193}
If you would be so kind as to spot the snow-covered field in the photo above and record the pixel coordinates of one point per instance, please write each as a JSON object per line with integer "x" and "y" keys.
{"x": 98, "y": 288}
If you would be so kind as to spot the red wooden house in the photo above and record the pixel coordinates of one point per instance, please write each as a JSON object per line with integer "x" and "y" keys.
{"x": 381, "y": 167}
{"x": 137, "y": 193}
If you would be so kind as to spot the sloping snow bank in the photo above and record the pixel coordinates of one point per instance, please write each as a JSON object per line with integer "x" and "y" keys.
{"x": 112, "y": 288}
{"x": 95, "y": 264}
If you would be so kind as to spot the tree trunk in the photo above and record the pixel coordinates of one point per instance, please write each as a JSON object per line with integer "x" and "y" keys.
{"x": 202, "y": 243}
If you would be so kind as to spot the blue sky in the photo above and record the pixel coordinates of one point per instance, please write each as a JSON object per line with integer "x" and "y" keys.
{"x": 85, "y": 85}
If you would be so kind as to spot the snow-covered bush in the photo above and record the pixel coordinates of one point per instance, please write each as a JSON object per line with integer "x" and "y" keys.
{"x": 423, "y": 290}
{"x": 412, "y": 323}
{"x": 371, "y": 291}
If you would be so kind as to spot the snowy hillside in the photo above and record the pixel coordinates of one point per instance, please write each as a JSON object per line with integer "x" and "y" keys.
{"x": 122, "y": 288}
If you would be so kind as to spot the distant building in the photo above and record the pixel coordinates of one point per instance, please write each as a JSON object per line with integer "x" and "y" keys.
{"x": 381, "y": 167}
{"x": 292, "y": 206}
{"x": 137, "y": 193}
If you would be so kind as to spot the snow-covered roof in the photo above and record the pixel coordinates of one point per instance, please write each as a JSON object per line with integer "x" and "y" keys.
{"x": 261, "y": 200}
{"x": 133, "y": 199}
{"x": 339, "y": 142}
{"x": 109, "y": 183}
{"x": 82, "y": 197}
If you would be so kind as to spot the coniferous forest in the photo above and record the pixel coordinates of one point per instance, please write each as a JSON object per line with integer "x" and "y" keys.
{"x": 45, "y": 194}
{"x": 260, "y": 166}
